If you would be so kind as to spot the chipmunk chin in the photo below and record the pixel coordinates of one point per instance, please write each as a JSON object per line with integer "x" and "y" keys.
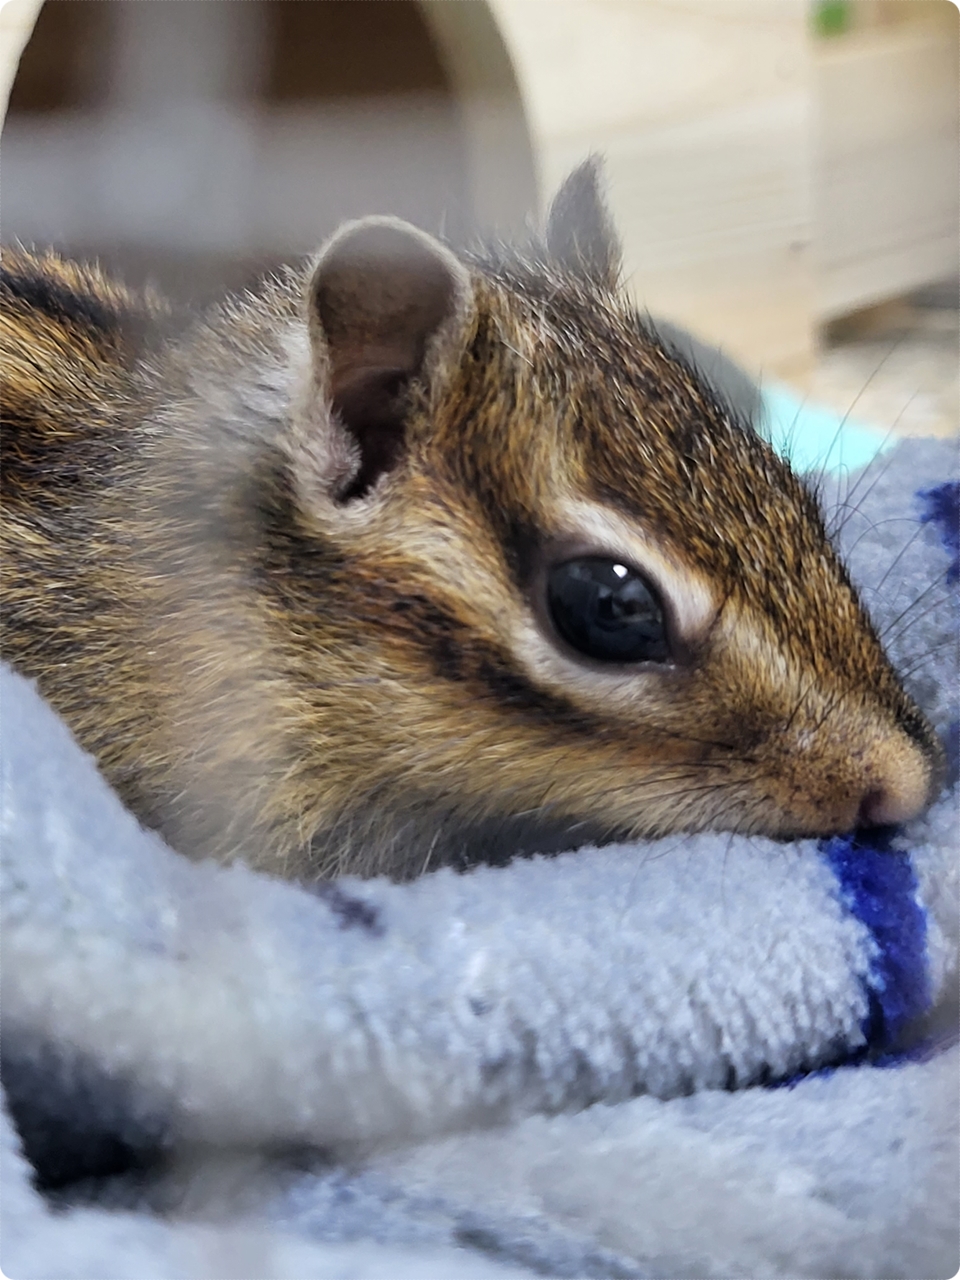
{"x": 424, "y": 838}
{"x": 403, "y": 846}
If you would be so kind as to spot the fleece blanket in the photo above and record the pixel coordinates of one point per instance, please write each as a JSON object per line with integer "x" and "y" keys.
{"x": 702, "y": 1056}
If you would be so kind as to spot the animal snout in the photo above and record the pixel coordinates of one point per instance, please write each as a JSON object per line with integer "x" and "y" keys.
{"x": 887, "y": 806}
{"x": 900, "y": 784}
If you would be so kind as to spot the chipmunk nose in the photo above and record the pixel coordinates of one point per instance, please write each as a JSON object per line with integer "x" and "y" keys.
{"x": 899, "y": 789}
{"x": 879, "y": 809}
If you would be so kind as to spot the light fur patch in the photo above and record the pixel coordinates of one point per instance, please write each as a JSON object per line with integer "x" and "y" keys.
{"x": 688, "y": 594}
{"x": 691, "y": 597}
{"x": 548, "y": 667}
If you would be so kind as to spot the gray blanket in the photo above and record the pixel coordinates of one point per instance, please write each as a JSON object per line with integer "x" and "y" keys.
{"x": 704, "y": 1056}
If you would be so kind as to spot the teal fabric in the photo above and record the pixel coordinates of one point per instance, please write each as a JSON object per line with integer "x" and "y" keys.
{"x": 815, "y": 438}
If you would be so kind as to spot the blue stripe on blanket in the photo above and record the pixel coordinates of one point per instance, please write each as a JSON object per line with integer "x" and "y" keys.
{"x": 942, "y": 507}
{"x": 878, "y": 885}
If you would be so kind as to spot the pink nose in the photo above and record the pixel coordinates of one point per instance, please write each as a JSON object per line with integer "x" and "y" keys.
{"x": 895, "y": 798}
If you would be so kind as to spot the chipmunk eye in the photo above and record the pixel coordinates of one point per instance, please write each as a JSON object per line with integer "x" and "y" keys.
{"x": 606, "y": 610}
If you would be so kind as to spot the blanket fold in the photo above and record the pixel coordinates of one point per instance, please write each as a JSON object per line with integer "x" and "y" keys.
{"x": 228, "y": 1007}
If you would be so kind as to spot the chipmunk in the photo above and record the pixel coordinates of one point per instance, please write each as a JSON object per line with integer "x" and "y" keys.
{"x": 410, "y": 557}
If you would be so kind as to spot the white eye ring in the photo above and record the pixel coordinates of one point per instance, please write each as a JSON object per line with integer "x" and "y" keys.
{"x": 687, "y": 594}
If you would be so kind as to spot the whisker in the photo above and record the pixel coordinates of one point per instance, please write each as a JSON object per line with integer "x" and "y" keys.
{"x": 846, "y": 503}
{"x": 897, "y": 342}
{"x": 936, "y": 585}
{"x": 919, "y": 663}
{"x": 876, "y": 525}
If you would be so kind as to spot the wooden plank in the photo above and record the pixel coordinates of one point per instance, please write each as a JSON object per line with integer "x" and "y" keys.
{"x": 887, "y": 214}
{"x": 703, "y": 111}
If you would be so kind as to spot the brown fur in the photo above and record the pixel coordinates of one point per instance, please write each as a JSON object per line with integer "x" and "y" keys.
{"x": 325, "y": 679}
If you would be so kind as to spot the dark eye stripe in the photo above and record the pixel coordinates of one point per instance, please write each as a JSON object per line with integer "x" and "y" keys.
{"x": 607, "y": 611}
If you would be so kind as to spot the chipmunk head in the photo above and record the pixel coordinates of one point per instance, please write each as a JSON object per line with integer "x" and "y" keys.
{"x": 532, "y": 584}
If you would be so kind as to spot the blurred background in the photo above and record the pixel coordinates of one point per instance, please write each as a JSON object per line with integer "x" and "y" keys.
{"x": 783, "y": 172}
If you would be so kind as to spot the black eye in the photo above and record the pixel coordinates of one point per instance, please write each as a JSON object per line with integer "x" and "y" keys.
{"x": 607, "y": 611}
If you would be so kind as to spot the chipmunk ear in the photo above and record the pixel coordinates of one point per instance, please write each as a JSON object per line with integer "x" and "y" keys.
{"x": 383, "y": 299}
{"x": 580, "y": 234}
